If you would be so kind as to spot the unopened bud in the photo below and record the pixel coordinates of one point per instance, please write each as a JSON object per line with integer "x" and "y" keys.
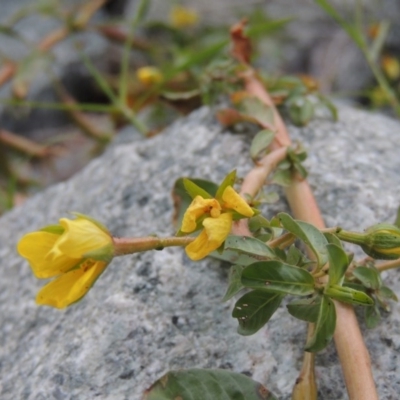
{"x": 380, "y": 241}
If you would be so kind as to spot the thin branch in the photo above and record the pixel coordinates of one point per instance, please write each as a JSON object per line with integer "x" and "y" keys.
{"x": 349, "y": 342}
{"x": 23, "y": 145}
{"x": 388, "y": 265}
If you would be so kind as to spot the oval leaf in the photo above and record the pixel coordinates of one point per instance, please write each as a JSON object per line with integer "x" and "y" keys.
{"x": 260, "y": 143}
{"x": 275, "y": 276}
{"x": 234, "y": 282}
{"x": 338, "y": 263}
{"x": 324, "y": 327}
{"x": 309, "y": 234}
{"x": 254, "y": 309}
{"x": 200, "y": 384}
{"x": 305, "y": 309}
{"x": 372, "y": 316}
{"x": 194, "y": 190}
{"x": 229, "y": 180}
{"x": 249, "y": 245}
{"x": 369, "y": 277}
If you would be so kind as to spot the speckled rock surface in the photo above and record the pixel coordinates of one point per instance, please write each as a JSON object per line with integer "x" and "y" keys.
{"x": 157, "y": 311}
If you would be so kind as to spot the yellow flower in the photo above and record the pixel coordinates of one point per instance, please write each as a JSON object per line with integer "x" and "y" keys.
{"x": 149, "y": 76}
{"x": 215, "y": 216}
{"x": 75, "y": 252}
{"x": 391, "y": 67}
{"x": 182, "y": 17}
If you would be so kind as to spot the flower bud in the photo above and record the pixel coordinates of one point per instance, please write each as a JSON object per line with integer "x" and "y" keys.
{"x": 382, "y": 242}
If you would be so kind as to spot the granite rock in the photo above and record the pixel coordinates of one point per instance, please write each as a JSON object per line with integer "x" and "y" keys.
{"x": 156, "y": 311}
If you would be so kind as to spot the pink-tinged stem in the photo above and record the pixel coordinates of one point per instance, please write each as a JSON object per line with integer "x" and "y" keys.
{"x": 123, "y": 246}
{"x": 349, "y": 342}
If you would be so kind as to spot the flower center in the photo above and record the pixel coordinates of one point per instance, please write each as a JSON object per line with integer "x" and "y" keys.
{"x": 87, "y": 264}
{"x": 215, "y": 212}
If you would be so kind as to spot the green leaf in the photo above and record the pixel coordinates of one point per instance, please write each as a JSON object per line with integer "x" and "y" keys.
{"x": 249, "y": 245}
{"x": 329, "y": 106}
{"x": 104, "y": 254}
{"x": 387, "y": 293}
{"x": 202, "y": 384}
{"x": 277, "y": 277}
{"x": 266, "y": 27}
{"x": 56, "y": 229}
{"x": 324, "y": 327}
{"x": 309, "y": 234}
{"x": 282, "y": 177}
{"x": 258, "y": 222}
{"x": 234, "y": 257}
{"x": 260, "y": 143}
{"x": 305, "y": 309}
{"x": 301, "y": 110}
{"x": 196, "y": 57}
{"x": 229, "y": 180}
{"x": 348, "y": 295}
{"x": 234, "y": 282}
{"x": 255, "y": 108}
{"x": 372, "y": 316}
{"x": 298, "y": 166}
{"x": 254, "y": 309}
{"x": 331, "y": 238}
{"x": 369, "y": 277}
{"x": 295, "y": 257}
{"x": 194, "y": 190}
{"x": 338, "y": 264}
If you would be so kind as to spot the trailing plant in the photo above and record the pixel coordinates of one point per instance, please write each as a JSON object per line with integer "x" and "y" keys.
{"x": 295, "y": 257}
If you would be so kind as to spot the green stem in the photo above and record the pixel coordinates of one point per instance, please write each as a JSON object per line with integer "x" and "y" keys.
{"x": 351, "y": 237}
{"x": 383, "y": 83}
{"x": 124, "y": 246}
{"x": 123, "y": 78}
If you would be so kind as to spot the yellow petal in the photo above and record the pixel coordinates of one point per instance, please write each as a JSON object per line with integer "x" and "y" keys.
{"x": 35, "y": 246}
{"x": 80, "y": 237}
{"x": 211, "y": 237}
{"x": 71, "y": 286}
{"x": 149, "y": 76}
{"x": 197, "y": 208}
{"x": 233, "y": 201}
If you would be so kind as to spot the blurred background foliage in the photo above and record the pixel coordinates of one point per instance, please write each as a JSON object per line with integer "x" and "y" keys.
{"x": 73, "y": 73}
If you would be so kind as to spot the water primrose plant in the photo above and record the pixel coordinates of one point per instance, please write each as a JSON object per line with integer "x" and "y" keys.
{"x": 267, "y": 265}
{"x": 293, "y": 257}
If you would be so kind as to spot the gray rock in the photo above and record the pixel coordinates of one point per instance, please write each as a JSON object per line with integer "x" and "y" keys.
{"x": 156, "y": 311}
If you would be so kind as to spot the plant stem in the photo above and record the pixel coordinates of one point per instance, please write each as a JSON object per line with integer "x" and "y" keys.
{"x": 123, "y": 246}
{"x": 23, "y": 145}
{"x": 388, "y": 265}
{"x": 253, "y": 182}
{"x": 282, "y": 241}
{"x": 349, "y": 342}
{"x": 305, "y": 387}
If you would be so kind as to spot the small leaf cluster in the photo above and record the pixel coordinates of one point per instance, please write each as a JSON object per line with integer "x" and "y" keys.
{"x": 268, "y": 272}
{"x": 298, "y": 98}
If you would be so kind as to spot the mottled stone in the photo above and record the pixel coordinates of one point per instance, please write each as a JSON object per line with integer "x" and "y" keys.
{"x": 152, "y": 312}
